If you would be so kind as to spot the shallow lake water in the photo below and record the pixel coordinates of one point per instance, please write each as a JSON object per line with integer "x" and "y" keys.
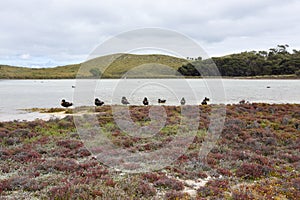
{"x": 20, "y": 94}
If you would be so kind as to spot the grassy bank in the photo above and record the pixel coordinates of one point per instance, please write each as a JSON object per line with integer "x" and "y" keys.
{"x": 256, "y": 157}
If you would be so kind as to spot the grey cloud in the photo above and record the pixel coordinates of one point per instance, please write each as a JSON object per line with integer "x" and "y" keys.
{"x": 67, "y": 31}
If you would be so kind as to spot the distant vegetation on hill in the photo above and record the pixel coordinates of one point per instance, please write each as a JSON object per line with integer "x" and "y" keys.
{"x": 111, "y": 66}
{"x": 275, "y": 62}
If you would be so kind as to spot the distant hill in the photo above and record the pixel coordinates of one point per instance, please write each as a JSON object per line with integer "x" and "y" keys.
{"x": 111, "y": 66}
{"x": 275, "y": 63}
{"x": 61, "y": 72}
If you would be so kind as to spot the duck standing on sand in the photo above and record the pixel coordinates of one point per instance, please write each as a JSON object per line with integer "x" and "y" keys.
{"x": 124, "y": 101}
{"x": 162, "y": 101}
{"x": 145, "y": 101}
{"x": 65, "y": 104}
{"x": 205, "y": 100}
{"x": 98, "y": 102}
{"x": 182, "y": 101}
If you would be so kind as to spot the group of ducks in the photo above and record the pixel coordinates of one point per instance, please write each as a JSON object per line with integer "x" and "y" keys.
{"x": 124, "y": 101}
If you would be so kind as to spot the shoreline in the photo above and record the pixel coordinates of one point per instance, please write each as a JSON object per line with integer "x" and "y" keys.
{"x": 46, "y": 114}
{"x": 263, "y": 77}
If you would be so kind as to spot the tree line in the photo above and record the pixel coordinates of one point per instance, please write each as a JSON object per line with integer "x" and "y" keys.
{"x": 275, "y": 61}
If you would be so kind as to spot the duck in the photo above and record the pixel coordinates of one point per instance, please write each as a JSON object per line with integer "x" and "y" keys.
{"x": 205, "y": 100}
{"x": 243, "y": 101}
{"x": 98, "y": 102}
{"x": 145, "y": 101}
{"x": 162, "y": 101}
{"x": 65, "y": 104}
{"x": 124, "y": 101}
{"x": 182, "y": 101}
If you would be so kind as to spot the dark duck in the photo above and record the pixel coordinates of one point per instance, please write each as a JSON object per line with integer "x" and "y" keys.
{"x": 145, "y": 101}
{"x": 65, "y": 104}
{"x": 182, "y": 101}
{"x": 98, "y": 102}
{"x": 162, "y": 101}
{"x": 205, "y": 100}
{"x": 124, "y": 101}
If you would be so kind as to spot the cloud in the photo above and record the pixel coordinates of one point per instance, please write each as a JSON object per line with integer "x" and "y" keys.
{"x": 67, "y": 31}
{"x": 25, "y": 56}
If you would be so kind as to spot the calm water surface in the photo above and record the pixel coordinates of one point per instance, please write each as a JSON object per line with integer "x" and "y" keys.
{"x": 19, "y": 94}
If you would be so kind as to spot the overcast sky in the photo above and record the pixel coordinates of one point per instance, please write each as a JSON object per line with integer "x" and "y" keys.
{"x": 40, "y": 33}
